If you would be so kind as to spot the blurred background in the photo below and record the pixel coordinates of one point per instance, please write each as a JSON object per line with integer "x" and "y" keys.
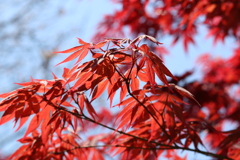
{"x": 31, "y": 30}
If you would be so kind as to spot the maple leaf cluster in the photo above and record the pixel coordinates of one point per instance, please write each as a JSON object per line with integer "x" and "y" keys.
{"x": 177, "y": 18}
{"x": 157, "y": 117}
{"x": 218, "y": 91}
{"x": 154, "y": 117}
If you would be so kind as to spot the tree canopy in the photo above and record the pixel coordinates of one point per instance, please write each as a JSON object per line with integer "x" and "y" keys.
{"x": 159, "y": 113}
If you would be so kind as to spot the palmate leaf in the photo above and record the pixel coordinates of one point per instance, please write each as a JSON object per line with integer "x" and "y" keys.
{"x": 100, "y": 88}
{"x": 154, "y": 65}
{"x": 81, "y": 52}
{"x": 150, "y": 73}
{"x": 84, "y": 76}
{"x": 8, "y": 115}
{"x": 78, "y": 50}
{"x": 113, "y": 87}
{"x": 184, "y": 93}
{"x": 135, "y": 83}
{"x": 20, "y": 104}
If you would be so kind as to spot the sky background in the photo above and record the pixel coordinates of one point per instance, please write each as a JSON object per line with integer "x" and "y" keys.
{"x": 52, "y": 25}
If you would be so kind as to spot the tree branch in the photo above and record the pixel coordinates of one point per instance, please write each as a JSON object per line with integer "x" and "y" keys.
{"x": 133, "y": 136}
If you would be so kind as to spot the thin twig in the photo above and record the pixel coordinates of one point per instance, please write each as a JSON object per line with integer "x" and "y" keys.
{"x": 133, "y": 136}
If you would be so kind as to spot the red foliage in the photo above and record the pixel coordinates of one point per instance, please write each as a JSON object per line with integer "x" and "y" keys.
{"x": 218, "y": 91}
{"x": 152, "y": 118}
{"x": 157, "y": 117}
{"x": 178, "y": 18}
